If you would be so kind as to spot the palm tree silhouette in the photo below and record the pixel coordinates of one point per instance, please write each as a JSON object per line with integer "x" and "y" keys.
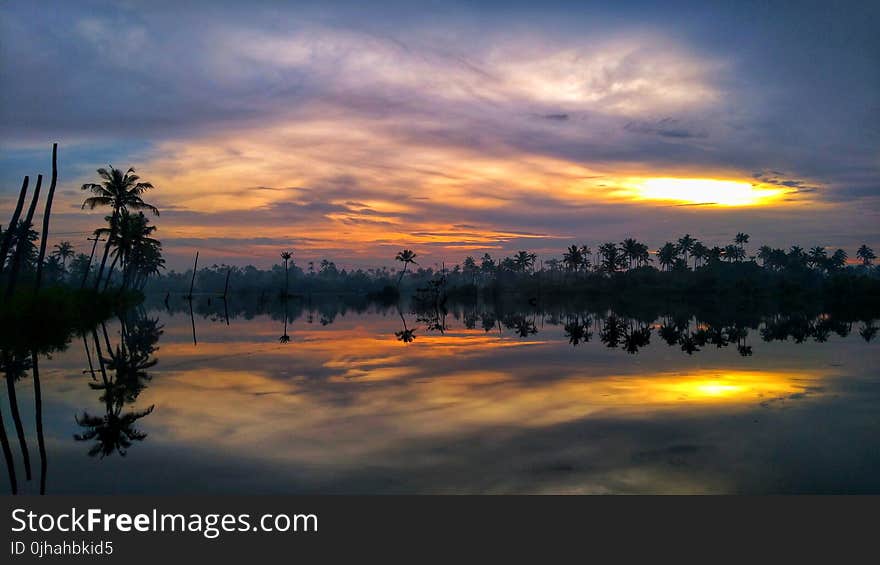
{"x": 524, "y": 261}
{"x": 631, "y": 251}
{"x": 577, "y": 330}
{"x": 63, "y": 251}
{"x": 699, "y": 252}
{"x": 866, "y": 254}
{"x": 573, "y": 258}
{"x": 741, "y": 239}
{"x": 119, "y": 191}
{"x": 837, "y": 260}
{"x": 113, "y": 432}
{"x": 131, "y": 244}
{"x": 817, "y": 257}
{"x": 405, "y": 335}
{"x": 406, "y": 256}
{"x": 686, "y": 245}
{"x": 667, "y": 255}
{"x": 286, "y": 255}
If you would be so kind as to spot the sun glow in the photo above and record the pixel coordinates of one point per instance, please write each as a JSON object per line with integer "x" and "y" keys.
{"x": 705, "y": 191}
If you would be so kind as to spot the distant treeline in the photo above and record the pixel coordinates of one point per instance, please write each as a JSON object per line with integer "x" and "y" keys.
{"x": 686, "y": 267}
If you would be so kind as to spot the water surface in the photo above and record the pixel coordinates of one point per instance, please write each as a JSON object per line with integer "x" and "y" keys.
{"x": 334, "y": 398}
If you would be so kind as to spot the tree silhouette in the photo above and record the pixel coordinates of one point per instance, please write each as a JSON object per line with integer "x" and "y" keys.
{"x": 699, "y": 252}
{"x": 405, "y": 335}
{"x": 119, "y": 191}
{"x": 667, "y": 255}
{"x": 686, "y": 245}
{"x": 406, "y": 256}
{"x": 572, "y": 258}
{"x": 817, "y": 257}
{"x": 63, "y": 251}
{"x": 741, "y": 239}
{"x": 524, "y": 261}
{"x": 866, "y": 255}
{"x": 286, "y": 255}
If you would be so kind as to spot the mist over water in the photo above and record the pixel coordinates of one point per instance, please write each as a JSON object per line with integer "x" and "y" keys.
{"x": 341, "y": 396}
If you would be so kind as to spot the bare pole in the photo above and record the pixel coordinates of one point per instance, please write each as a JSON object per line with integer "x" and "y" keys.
{"x": 13, "y": 224}
{"x": 38, "y": 416}
{"x": 193, "y": 281}
{"x": 226, "y": 286}
{"x": 95, "y": 239}
{"x": 44, "y": 236}
{"x": 16, "y": 260}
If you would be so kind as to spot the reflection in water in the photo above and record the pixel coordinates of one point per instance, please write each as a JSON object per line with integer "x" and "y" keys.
{"x": 123, "y": 377}
{"x": 489, "y": 398}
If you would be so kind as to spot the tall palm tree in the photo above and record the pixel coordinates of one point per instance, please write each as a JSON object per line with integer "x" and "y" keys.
{"x": 406, "y": 256}
{"x": 741, "y": 239}
{"x": 686, "y": 245}
{"x": 699, "y": 253}
{"x": 63, "y": 251}
{"x": 866, "y": 254}
{"x": 667, "y": 255}
{"x": 118, "y": 191}
{"x": 573, "y": 258}
{"x": 286, "y": 255}
{"x": 630, "y": 249}
{"x": 132, "y": 244}
{"x": 612, "y": 258}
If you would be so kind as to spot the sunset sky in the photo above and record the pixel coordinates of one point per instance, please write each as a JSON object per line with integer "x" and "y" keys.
{"x": 353, "y": 130}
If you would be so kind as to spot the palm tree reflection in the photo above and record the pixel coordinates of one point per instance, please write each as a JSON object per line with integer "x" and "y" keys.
{"x": 405, "y": 335}
{"x": 123, "y": 377}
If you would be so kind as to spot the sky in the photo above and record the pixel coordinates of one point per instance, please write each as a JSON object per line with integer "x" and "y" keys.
{"x": 351, "y": 130}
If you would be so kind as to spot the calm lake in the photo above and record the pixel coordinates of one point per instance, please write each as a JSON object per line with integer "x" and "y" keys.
{"x": 340, "y": 398}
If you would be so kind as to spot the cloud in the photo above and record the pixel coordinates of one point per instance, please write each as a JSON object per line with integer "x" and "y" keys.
{"x": 359, "y": 129}
{"x": 666, "y": 127}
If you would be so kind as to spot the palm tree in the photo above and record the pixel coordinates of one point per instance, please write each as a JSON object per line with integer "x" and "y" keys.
{"x": 286, "y": 255}
{"x": 573, "y": 258}
{"x": 612, "y": 258}
{"x": 643, "y": 255}
{"x": 686, "y": 245}
{"x": 119, "y": 191}
{"x": 741, "y": 239}
{"x": 866, "y": 254}
{"x": 405, "y": 335}
{"x": 630, "y": 249}
{"x": 816, "y": 257}
{"x": 585, "y": 257}
{"x": 734, "y": 253}
{"x": 837, "y": 260}
{"x": 130, "y": 244}
{"x": 63, "y": 251}
{"x": 667, "y": 255}
{"x": 764, "y": 253}
{"x": 699, "y": 252}
{"x": 524, "y": 261}
{"x": 406, "y": 256}
{"x": 797, "y": 257}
